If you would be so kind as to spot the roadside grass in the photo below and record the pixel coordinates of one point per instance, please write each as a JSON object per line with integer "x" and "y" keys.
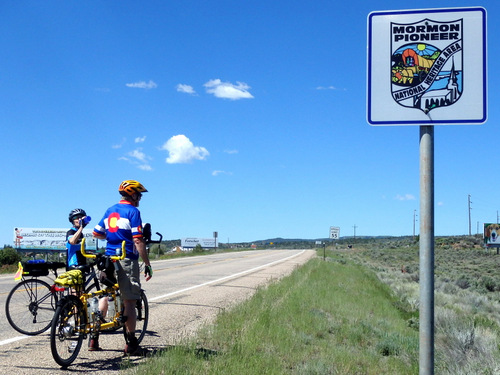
{"x": 332, "y": 317}
{"x": 466, "y": 308}
{"x": 355, "y": 313}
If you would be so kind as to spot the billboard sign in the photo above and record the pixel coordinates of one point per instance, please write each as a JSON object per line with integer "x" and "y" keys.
{"x": 427, "y": 67}
{"x": 47, "y": 238}
{"x": 203, "y": 242}
{"x": 491, "y": 235}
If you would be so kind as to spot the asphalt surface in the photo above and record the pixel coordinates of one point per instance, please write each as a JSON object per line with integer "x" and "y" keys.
{"x": 183, "y": 295}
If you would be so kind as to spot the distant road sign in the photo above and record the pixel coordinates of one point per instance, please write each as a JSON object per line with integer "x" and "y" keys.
{"x": 491, "y": 234}
{"x": 334, "y": 233}
{"x": 427, "y": 67}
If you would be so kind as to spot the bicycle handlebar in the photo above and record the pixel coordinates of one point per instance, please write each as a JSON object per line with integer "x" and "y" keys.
{"x": 112, "y": 257}
{"x": 150, "y": 241}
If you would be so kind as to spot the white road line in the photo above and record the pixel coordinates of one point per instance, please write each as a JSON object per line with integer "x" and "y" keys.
{"x": 223, "y": 278}
{"x": 18, "y": 338}
{"x": 13, "y": 339}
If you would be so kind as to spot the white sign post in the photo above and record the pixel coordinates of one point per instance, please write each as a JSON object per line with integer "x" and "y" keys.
{"x": 427, "y": 67}
{"x": 334, "y": 233}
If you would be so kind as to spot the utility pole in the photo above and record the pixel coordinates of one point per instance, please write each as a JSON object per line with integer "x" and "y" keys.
{"x": 469, "y": 214}
{"x": 355, "y": 226}
{"x": 414, "y": 219}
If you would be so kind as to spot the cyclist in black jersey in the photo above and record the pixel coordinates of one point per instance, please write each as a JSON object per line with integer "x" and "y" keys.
{"x": 74, "y": 238}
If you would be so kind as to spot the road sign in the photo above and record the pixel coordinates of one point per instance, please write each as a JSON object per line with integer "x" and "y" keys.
{"x": 427, "y": 67}
{"x": 491, "y": 234}
{"x": 334, "y": 233}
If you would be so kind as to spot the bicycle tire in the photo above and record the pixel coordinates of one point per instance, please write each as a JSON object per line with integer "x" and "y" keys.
{"x": 30, "y": 306}
{"x": 142, "y": 313}
{"x": 67, "y": 331}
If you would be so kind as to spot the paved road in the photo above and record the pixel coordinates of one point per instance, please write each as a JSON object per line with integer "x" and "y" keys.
{"x": 184, "y": 294}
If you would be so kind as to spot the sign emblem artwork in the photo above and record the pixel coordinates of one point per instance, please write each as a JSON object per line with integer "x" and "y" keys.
{"x": 427, "y": 64}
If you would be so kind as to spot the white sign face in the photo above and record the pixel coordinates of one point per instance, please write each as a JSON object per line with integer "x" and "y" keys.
{"x": 203, "y": 242}
{"x": 427, "y": 67}
{"x": 334, "y": 233}
{"x": 48, "y": 238}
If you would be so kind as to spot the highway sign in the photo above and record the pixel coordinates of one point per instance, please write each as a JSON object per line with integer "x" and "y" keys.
{"x": 334, "y": 233}
{"x": 427, "y": 67}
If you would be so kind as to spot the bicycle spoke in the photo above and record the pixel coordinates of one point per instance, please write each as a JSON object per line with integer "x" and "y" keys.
{"x": 30, "y": 306}
{"x": 66, "y": 334}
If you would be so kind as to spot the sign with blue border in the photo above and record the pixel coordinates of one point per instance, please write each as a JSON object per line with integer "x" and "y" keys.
{"x": 427, "y": 67}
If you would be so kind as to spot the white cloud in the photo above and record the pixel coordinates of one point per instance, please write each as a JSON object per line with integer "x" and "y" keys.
{"x": 138, "y": 155}
{"x": 140, "y": 139}
{"x": 186, "y": 89}
{"x": 139, "y": 159}
{"x": 406, "y": 197}
{"x": 216, "y": 173}
{"x": 181, "y": 150}
{"x": 231, "y": 151}
{"x": 329, "y": 88}
{"x": 142, "y": 85}
{"x": 227, "y": 90}
{"x": 119, "y": 145}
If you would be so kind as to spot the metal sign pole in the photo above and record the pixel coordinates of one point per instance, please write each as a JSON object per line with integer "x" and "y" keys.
{"x": 426, "y": 250}
{"x": 396, "y": 39}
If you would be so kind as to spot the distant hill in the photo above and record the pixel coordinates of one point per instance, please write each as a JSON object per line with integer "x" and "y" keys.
{"x": 363, "y": 241}
{"x": 344, "y": 238}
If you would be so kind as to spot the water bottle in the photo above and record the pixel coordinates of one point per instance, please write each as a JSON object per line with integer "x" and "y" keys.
{"x": 86, "y": 220}
{"x": 89, "y": 310}
{"x": 93, "y": 307}
{"x": 118, "y": 303}
{"x": 111, "y": 308}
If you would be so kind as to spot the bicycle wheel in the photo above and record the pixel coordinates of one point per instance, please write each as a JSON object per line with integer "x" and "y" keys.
{"x": 67, "y": 331}
{"x": 142, "y": 312}
{"x": 30, "y": 306}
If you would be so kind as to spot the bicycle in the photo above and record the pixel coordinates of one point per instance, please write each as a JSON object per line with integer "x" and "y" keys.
{"x": 76, "y": 317}
{"x": 31, "y": 304}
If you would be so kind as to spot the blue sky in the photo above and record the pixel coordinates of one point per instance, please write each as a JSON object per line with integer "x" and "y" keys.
{"x": 242, "y": 117}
